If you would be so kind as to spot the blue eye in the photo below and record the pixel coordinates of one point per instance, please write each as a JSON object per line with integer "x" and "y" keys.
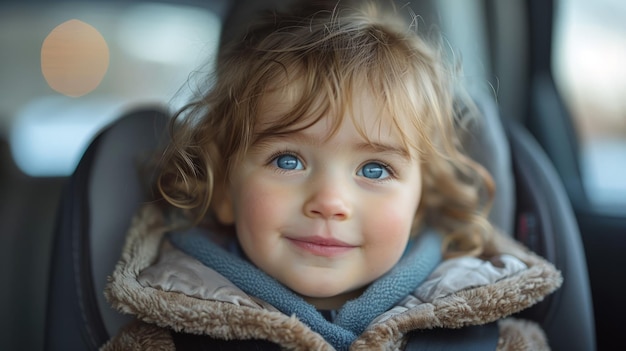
{"x": 288, "y": 162}
{"x": 373, "y": 170}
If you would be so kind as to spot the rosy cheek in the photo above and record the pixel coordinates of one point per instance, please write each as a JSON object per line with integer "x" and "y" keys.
{"x": 250, "y": 205}
{"x": 258, "y": 205}
{"x": 391, "y": 224}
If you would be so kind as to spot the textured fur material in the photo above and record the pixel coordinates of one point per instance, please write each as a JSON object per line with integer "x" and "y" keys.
{"x": 139, "y": 336}
{"x": 225, "y": 320}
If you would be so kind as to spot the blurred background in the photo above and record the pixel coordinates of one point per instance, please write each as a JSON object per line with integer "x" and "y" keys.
{"x": 67, "y": 69}
{"x": 590, "y": 70}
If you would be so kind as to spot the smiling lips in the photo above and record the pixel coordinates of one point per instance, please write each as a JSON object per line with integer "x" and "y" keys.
{"x": 319, "y": 246}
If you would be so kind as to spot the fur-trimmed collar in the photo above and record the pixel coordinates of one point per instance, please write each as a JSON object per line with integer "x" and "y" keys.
{"x": 191, "y": 298}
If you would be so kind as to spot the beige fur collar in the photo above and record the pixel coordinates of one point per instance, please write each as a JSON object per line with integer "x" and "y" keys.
{"x": 231, "y": 314}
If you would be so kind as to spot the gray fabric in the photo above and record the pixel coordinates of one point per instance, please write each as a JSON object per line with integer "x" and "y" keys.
{"x": 454, "y": 275}
{"x": 487, "y": 145}
{"x": 466, "y": 272}
{"x": 178, "y": 272}
{"x": 115, "y": 193}
{"x": 569, "y": 321}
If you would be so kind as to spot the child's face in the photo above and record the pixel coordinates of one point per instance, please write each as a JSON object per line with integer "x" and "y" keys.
{"x": 325, "y": 217}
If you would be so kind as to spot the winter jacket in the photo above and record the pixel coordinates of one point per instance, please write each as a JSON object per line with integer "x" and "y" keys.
{"x": 171, "y": 293}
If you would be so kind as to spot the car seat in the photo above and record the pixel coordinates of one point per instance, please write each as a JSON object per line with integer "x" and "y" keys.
{"x": 96, "y": 209}
{"x": 105, "y": 190}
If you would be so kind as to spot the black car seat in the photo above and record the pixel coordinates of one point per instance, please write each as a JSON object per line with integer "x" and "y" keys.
{"x": 545, "y": 222}
{"x": 96, "y": 209}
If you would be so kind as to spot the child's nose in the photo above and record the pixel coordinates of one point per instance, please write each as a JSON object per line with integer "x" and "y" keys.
{"x": 327, "y": 199}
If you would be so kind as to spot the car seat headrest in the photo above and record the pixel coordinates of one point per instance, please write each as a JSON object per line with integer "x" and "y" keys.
{"x": 487, "y": 144}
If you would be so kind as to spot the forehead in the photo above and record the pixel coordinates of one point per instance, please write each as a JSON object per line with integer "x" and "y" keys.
{"x": 289, "y": 109}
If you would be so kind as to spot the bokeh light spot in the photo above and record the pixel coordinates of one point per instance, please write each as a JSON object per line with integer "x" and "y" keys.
{"x": 74, "y": 58}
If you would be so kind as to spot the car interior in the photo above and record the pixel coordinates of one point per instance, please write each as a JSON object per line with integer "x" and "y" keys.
{"x": 70, "y": 158}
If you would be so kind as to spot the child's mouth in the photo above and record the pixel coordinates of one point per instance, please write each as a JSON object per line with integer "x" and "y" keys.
{"x": 321, "y": 246}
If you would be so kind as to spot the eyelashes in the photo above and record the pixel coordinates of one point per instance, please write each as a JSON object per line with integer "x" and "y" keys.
{"x": 372, "y": 170}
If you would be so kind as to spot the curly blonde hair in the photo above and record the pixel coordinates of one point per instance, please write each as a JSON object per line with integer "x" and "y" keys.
{"x": 330, "y": 53}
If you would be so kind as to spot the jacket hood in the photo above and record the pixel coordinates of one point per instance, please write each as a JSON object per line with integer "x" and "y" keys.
{"x": 161, "y": 285}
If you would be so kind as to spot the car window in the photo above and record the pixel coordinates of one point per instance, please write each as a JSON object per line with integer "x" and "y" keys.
{"x": 589, "y": 64}
{"x": 71, "y": 68}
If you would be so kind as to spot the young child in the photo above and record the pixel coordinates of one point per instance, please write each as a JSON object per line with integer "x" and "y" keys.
{"x": 317, "y": 199}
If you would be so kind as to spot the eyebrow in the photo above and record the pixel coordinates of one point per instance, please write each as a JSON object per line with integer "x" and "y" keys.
{"x": 384, "y": 148}
{"x": 374, "y": 147}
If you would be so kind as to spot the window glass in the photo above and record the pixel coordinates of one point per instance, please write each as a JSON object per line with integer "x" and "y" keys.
{"x": 590, "y": 70}
{"x": 68, "y": 69}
